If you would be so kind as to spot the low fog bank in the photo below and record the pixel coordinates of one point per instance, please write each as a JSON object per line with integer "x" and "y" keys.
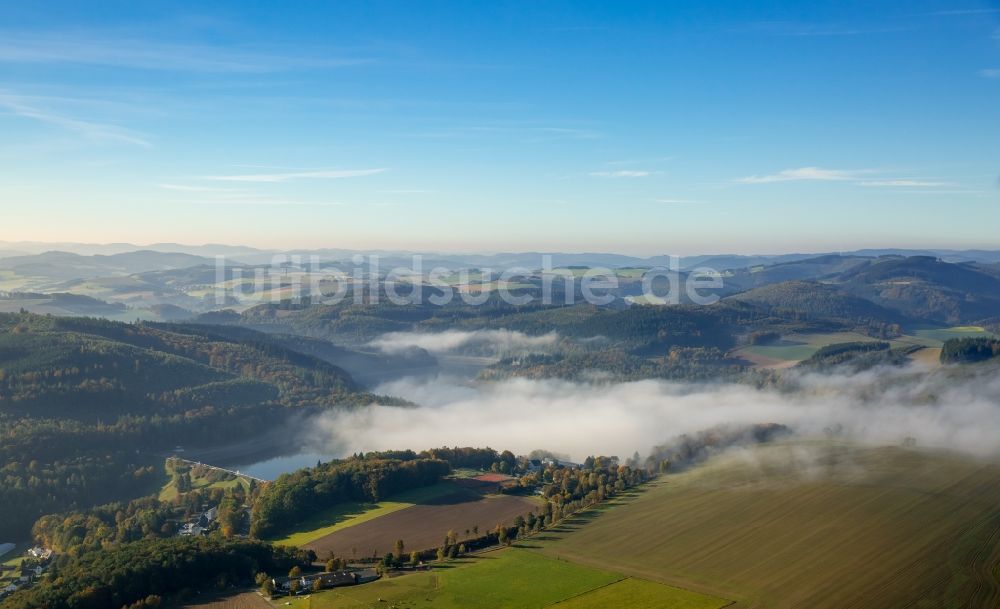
{"x": 886, "y": 406}
{"x": 487, "y": 342}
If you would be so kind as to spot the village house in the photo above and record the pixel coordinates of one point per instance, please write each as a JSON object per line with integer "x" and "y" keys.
{"x": 190, "y": 529}
{"x": 200, "y": 525}
{"x": 208, "y": 517}
{"x": 558, "y": 463}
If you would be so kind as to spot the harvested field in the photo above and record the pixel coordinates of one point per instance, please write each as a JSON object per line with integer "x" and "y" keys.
{"x": 239, "y": 600}
{"x": 344, "y": 515}
{"x": 494, "y": 478}
{"x": 815, "y": 525}
{"x": 424, "y": 526}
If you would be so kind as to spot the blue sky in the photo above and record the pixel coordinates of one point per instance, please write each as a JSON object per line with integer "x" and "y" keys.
{"x": 632, "y": 127}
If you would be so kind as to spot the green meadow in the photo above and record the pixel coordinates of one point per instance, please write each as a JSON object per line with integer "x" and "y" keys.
{"x": 513, "y": 578}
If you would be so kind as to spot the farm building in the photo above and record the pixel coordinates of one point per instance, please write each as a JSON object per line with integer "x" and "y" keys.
{"x": 332, "y": 579}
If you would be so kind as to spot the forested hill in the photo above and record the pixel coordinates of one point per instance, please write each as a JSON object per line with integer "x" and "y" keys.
{"x": 926, "y": 288}
{"x": 88, "y": 368}
{"x": 85, "y": 404}
{"x": 811, "y": 300}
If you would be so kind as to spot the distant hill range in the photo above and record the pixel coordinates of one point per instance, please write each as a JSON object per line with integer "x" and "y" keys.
{"x": 171, "y": 282}
{"x": 58, "y": 265}
{"x": 249, "y": 255}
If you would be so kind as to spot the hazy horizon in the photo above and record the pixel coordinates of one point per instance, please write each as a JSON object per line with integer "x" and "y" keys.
{"x": 126, "y": 246}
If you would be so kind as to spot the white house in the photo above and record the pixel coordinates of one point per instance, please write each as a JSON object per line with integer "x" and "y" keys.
{"x": 191, "y": 529}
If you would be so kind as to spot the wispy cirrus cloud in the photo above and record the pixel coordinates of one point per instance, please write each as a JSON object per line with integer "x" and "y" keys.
{"x": 623, "y": 173}
{"x": 114, "y": 49}
{"x": 990, "y": 73}
{"x": 250, "y": 199}
{"x": 905, "y": 183}
{"x": 524, "y": 133}
{"x": 800, "y": 29}
{"x": 324, "y": 174}
{"x": 89, "y": 130}
{"x": 660, "y": 159}
{"x": 803, "y": 173}
{"x": 677, "y": 201}
{"x": 857, "y": 177}
{"x": 210, "y": 195}
{"x": 186, "y": 188}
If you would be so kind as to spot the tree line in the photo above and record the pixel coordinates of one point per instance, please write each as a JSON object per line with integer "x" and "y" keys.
{"x": 969, "y": 350}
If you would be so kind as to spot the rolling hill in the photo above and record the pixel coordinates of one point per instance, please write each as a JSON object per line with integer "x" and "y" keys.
{"x": 810, "y": 269}
{"x": 927, "y": 288}
{"x": 819, "y": 301}
{"x": 54, "y": 366}
{"x": 58, "y": 266}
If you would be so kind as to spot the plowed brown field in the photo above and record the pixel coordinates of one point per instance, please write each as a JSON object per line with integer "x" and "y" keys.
{"x": 424, "y": 526}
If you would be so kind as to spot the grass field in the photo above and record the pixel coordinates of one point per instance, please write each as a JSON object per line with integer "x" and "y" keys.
{"x": 347, "y": 515}
{"x": 634, "y": 593}
{"x": 810, "y": 525}
{"x": 797, "y": 347}
{"x": 211, "y": 479}
{"x": 507, "y": 579}
{"x": 934, "y": 337}
{"x": 13, "y": 559}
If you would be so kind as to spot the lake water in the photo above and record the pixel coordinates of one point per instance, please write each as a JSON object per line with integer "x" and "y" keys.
{"x": 451, "y": 367}
{"x": 269, "y": 469}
